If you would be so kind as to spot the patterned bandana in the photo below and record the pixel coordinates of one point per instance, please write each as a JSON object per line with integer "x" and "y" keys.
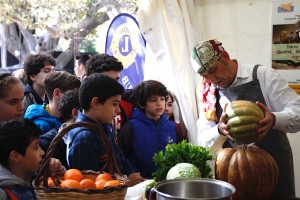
{"x": 205, "y": 54}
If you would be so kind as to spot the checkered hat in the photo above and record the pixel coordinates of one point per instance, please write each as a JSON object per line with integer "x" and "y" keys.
{"x": 205, "y": 54}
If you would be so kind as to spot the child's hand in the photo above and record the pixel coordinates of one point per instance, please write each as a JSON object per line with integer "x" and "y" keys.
{"x": 56, "y": 167}
{"x": 134, "y": 179}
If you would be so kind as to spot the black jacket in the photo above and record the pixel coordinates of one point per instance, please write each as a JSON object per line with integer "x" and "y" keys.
{"x": 31, "y": 97}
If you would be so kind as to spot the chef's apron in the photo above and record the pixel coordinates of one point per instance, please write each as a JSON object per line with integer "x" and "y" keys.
{"x": 275, "y": 142}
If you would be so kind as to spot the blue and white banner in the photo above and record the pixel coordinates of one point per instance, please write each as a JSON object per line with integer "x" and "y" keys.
{"x": 125, "y": 42}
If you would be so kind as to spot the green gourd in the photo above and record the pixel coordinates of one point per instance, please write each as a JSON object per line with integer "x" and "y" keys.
{"x": 243, "y": 120}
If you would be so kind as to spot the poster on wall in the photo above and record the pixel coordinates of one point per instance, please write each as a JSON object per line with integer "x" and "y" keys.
{"x": 125, "y": 42}
{"x": 286, "y": 41}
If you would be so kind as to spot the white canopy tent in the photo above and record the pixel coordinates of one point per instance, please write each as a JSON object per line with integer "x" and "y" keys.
{"x": 170, "y": 36}
{"x": 171, "y": 28}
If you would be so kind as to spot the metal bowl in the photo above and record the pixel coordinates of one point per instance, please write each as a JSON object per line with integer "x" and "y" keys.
{"x": 193, "y": 188}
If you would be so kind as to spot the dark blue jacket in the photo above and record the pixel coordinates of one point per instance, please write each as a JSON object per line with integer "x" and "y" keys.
{"x": 141, "y": 138}
{"x": 85, "y": 148}
{"x": 60, "y": 150}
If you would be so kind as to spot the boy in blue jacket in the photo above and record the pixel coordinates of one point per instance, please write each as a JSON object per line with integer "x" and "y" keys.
{"x": 149, "y": 130}
{"x": 48, "y": 116}
{"x": 87, "y": 149}
{"x": 112, "y": 67}
{"x": 20, "y": 157}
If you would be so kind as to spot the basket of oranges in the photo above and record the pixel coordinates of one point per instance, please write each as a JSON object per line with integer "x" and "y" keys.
{"x": 76, "y": 184}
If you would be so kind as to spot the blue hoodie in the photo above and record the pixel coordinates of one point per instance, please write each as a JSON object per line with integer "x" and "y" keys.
{"x": 42, "y": 118}
{"x": 142, "y": 137}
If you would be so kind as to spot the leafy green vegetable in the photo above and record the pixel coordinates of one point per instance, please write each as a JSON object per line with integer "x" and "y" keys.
{"x": 182, "y": 152}
{"x": 151, "y": 183}
{"x": 183, "y": 170}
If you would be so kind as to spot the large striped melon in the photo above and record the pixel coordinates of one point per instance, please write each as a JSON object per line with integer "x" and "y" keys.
{"x": 243, "y": 118}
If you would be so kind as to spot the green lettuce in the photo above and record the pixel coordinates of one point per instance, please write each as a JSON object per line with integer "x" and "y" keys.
{"x": 182, "y": 152}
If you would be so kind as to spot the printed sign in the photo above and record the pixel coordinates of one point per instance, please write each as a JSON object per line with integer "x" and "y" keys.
{"x": 125, "y": 42}
{"x": 286, "y": 41}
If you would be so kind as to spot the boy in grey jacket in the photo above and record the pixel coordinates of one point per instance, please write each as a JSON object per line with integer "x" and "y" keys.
{"x": 20, "y": 157}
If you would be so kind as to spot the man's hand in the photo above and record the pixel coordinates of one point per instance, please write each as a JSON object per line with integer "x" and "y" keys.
{"x": 134, "y": 179}
{"x": 223, "y": 128}
{"x": 266, "y": 123}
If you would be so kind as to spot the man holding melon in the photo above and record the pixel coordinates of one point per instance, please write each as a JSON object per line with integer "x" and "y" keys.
{"x": 226, "y": 80}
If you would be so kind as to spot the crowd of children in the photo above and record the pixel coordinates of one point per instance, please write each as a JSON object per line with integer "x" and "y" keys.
{"x": 122, "y": 129}
{"x": 21, "y": 154}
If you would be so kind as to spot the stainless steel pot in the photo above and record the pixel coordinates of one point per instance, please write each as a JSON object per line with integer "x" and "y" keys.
{"x": 193, "y": 188}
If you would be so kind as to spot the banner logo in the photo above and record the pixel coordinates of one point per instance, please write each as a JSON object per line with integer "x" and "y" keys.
{"x": 125, "y": 42}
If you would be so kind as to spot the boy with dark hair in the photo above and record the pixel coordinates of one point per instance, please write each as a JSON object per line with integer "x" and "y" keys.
{"x": 47, "y": 116}
{"x": 105, "y": 64}
{"x": 36, "y": 67}
{"x": 80, "y": 65}
{"x": 20, "y": 157}
{"x": 69, "y": 105}
{"x": 112, "y": 67}
{"x": 149, "y": 130}
{"x": 99, "y": 97}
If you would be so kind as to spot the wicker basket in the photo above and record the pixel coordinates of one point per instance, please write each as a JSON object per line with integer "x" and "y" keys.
{"x": 40, "y": 184}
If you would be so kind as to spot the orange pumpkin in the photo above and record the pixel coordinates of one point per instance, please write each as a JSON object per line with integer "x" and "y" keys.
{"x": 250, "y": 169}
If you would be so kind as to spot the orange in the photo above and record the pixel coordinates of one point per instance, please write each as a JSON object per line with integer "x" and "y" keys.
{"x": 73, "y": 174}
{"x": 61, "y": 183}
{"x": 87, "y": 184}
{"x": 105, "y": 176}
{"x": 102, "y": 180}
{"x": 51, "y": 182}
{"x": 112, "y": 183}
{"x": 100, "y": 183}
{"x": 71, "y": 184}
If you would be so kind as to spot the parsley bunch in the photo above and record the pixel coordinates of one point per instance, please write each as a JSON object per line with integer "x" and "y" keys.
{"x": 182, "y": 152}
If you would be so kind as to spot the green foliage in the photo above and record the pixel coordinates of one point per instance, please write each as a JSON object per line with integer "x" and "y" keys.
{"x": 182, "y": 152}
{"x": 60, "y": 18}
{"x": 88, "y": 45}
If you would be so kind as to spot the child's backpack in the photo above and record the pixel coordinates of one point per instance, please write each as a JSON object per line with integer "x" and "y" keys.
{"x": 9, "y": 193}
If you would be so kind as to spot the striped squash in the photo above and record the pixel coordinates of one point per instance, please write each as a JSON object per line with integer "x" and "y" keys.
{"x": 243, "y": 118}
